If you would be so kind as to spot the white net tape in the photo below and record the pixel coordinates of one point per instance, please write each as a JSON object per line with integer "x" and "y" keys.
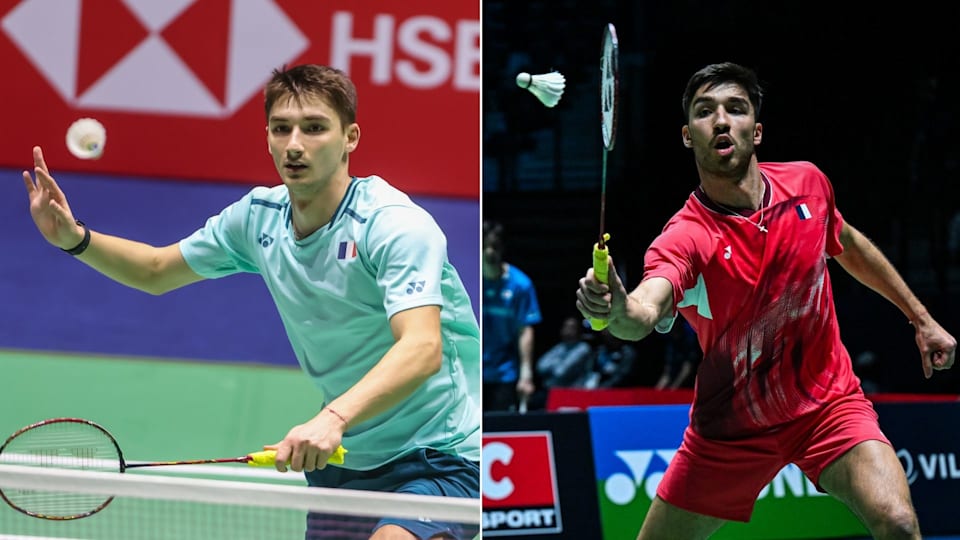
{"x": 194, "y": 507}
{"x": 338, "y": 501}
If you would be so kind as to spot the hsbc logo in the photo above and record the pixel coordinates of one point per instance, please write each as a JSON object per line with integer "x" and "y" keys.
{"x": 519, "y": 484}
{"x": 208, "y": 58}
{"x": 187, "y": 57}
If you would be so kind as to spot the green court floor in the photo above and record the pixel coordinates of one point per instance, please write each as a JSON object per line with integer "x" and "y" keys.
{"x": 160, "y": 410}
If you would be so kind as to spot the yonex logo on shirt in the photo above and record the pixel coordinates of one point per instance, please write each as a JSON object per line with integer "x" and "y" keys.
{"x": 415, "y": 286}
{"x": 265, "y": 239}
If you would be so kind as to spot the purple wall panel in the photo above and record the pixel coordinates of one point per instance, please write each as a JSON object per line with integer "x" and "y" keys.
{"x": 50, "y": 302}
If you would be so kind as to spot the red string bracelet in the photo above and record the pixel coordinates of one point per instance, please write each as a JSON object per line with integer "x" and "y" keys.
{"x": 338, "y": 415}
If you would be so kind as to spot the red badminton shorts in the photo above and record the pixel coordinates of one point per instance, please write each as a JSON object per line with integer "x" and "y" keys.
{"x": 723, "y": 478}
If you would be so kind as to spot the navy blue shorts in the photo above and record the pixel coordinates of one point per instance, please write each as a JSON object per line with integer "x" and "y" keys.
{"x": 425, "y": 472}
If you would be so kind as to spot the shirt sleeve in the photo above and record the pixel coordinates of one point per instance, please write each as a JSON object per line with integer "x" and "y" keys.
{"x": 220, "y": 248}
{"x": 834, "y": 221}
{"x": 408, "y": 252}
{"x": 671, "y": 256}
{"x": 528, "y": 307}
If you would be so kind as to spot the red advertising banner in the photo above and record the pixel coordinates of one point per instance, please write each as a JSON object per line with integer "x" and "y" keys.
{"x": 519, "y": 482}
{"x": 178, "y": 84}
{"x": 581, "y": 399}
{"x": 520, "y": 470}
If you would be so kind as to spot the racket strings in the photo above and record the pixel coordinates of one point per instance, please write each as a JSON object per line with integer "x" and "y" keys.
{"x": 55, "y": 505}
{"x": 609, "y": 101}
{"x": 64, "y": 446}
{"x": 61, "y": 445}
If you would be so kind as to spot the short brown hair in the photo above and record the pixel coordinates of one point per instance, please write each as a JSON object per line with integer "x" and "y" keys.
{"x": 726, "y": 72}
{"x": 313, "y": 80}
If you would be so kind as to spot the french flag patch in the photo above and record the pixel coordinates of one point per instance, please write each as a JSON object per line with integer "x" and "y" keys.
{"x": 347, "y": 250}
{"x": 803, "y": 211}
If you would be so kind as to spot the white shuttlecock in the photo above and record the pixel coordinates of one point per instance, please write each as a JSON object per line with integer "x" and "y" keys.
{"x": 86, "y": 138}
{"x": 548, "y": 87}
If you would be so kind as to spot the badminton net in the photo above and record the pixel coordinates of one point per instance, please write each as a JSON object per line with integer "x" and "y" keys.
{"x": 159, "y": 507}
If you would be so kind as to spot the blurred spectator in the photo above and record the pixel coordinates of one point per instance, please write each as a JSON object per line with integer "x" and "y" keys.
{"x": 953, "y": 239}
{"x": 510, "y": 309}
{"x": 867, "y": 368}
{"x": 681, "y": 355}
{"x": 613, "y": 365}
{"x": 564, "y": 363}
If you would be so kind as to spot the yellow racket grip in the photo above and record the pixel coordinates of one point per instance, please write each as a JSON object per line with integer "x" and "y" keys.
{"x": 600, "y": 268}
{"x": 268, "y": 458}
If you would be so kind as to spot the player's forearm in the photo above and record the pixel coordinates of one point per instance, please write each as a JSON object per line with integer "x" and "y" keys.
{"x": 865, "y": 262}
{"x": 406, "y": 366}
{"x": 131, "y": 263}
{"x": 637, "y": 316}
{"x": 526, "y": 353}
{"x": 636, "y": 321}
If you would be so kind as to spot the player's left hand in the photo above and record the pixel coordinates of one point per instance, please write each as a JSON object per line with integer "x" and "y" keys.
{"x": 48, "y": 205}
{"x": 937, "y": 347}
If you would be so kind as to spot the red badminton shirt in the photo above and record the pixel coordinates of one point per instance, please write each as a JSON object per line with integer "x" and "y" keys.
{"x": 761, "y": 302}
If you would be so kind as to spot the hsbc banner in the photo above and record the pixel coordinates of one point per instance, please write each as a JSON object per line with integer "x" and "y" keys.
{"x": 929, "y": 451}
{"x": 632, "y": 448}
{"x": 178, "y": 84}
{"x": 537, "y": 477}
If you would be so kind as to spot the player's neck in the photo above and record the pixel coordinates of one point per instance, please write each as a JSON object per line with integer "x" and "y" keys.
{"x": 742, "y": 192}
{"x": 315, "y": 208}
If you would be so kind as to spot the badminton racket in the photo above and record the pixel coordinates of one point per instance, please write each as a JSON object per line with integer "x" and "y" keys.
{"x": 609, "y": 101}
{"x": 75, "y": 443}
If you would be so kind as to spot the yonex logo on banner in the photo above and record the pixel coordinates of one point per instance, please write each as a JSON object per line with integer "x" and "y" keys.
{"x": 647, "y": 467}
{"x": 621, "y": 488}
{"x": 187, "y": 57}
{"x": 519, "y": 482}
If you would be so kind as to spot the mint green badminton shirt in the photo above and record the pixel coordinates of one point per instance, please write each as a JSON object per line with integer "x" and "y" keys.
{"x": 336, "y": 291}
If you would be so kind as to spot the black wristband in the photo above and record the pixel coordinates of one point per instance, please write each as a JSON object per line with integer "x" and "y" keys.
{"x": 82, "y": 246}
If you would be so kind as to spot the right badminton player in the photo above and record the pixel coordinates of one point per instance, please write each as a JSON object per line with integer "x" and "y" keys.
{"x": 745, "y": 262}
{"x": 376, "y": 314}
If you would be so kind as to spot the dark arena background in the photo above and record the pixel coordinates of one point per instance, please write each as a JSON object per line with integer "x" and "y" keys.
{"x": 868, "y": 94}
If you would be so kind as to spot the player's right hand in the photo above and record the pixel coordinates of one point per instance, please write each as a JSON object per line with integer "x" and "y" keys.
{"x": 938, "y": 348}
{"x": 308, "y": 446}
{"x": 596, "y": 300}
{"x": 48, "y": 206}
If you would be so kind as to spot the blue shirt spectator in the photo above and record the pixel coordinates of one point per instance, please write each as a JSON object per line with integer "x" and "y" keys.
{"x": 510, "y": 309}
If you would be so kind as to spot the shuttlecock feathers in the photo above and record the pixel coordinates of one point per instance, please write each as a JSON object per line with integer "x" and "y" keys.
{"x": 548, "y": 87}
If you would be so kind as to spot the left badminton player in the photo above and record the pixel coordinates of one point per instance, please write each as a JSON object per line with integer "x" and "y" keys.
{"x": 375, "y": 312}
